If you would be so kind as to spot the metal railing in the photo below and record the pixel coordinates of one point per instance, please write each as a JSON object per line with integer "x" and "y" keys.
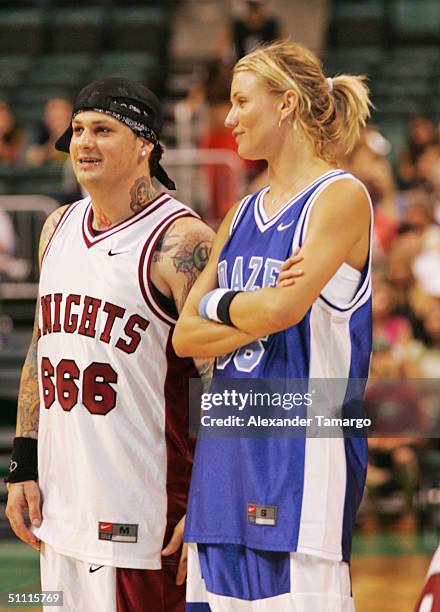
{"x": 191, "y": 168}
{"x": 28, "y": 213}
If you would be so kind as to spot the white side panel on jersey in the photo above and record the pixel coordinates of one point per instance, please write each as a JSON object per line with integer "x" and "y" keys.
{"x": 330, "y": 357}
{"x": 325, "y": 462}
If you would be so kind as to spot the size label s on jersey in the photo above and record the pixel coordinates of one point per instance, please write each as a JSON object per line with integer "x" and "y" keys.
{"x": 262, "y": 515}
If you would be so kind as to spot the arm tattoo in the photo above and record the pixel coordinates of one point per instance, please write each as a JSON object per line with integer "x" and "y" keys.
{"x": 166, "y": 243}
{"x": 28, "y": 411}
{"x": 204, "y": 369}
{"x": 49, "y": 228}
{"x": 141, "y": 193}
{"x": 190, "y": 258}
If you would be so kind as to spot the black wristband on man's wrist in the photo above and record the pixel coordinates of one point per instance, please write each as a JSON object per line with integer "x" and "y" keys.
{"x": 24, "y": 463}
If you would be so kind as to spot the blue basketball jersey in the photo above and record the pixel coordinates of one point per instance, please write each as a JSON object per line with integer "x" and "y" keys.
{"x": 312, "y": 486}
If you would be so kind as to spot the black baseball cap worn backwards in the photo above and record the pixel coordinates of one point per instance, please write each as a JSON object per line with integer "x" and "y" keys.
{"x": 127, "y": 101}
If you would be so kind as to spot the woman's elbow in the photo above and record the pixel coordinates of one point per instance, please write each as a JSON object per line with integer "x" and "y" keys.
{"x": 180, "y": 344}
{"x": 281, "y": 316}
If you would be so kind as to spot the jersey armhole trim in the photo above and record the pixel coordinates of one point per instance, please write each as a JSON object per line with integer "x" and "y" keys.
{"x": 239, "y": 213}
{"x": 63, "y": 218}
{"x": 146, "y": 260}
{"x": 364, "y": 290}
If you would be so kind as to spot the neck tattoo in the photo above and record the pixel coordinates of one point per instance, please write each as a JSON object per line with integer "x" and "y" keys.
{"x": 141, "y": 193}
{"x": 101, "y": 221}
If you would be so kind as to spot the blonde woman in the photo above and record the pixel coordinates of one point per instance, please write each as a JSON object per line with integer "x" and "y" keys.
{"x": 270, "y": 518}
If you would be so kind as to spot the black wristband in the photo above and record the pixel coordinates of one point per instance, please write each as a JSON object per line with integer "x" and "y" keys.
{"x": 224, "y": 305}
{"x": 24, "y": 463}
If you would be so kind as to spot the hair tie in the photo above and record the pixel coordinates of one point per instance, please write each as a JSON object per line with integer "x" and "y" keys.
{"x": 330, "y": 83}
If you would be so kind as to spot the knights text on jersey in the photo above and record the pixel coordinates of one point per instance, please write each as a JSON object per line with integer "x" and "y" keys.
{"x": 313, "y": 486}
{"x": 113, "y": 445}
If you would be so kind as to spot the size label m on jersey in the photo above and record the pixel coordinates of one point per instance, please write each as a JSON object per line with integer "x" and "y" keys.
{"x": 262, "y": 515}
{"x": 117, "y": 532}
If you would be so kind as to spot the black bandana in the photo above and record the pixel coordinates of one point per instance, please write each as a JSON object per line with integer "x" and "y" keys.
{"x": 136, "y": 126}
{"x": 126, "y": 101}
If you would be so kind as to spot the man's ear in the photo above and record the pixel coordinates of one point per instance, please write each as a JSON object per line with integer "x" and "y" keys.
{"x": 145, "y": 148}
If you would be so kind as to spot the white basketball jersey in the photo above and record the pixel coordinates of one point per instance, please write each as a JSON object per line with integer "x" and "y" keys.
{"x": 113, "y": 442}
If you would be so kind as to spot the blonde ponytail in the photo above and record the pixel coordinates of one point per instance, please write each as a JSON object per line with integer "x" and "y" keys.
{"x": 352, "y": 103}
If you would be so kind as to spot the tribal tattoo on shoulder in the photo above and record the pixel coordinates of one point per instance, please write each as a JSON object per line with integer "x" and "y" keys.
{"x": 141, "y": 193}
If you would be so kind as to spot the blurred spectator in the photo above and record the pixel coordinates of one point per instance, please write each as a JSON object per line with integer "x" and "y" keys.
{"x": 7, "y": 244}
{"x": 7, "y": 235}
{"x": 11, "y": 136}
{"x": 419, "y": 219}
{"x": 71, "y": 190}
{"x": 368, "y": 161}
{"x": 428, "y": 353}
{"x": 395, "y": 408}
{"x": 426, "y": 162}
{"x": 252, "y": 27}
{"x": 419, "y": 211}
{"x": 217, "y": 137}
{"x": 200, "y": 122}
{"x": 57, "y": 115}
{"x": 422, "y": 135}
{"x": 399, "y": 274}
{"x": 389, "y": 327}
{"x": 190, "y": 114}
{"x": 10, "y": 268}
{"x": 434, "y": 183}
{"x": 378, "y": 179}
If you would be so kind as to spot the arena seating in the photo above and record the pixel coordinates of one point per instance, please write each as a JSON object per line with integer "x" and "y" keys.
{"x": 415, "y": 22}
{"x": 52, "y": 47}
{"x": 76, "y": 29}
{"x": 21, "y": 30}
{"x": 357, "y": 23}
{"x": 396, "y": 43}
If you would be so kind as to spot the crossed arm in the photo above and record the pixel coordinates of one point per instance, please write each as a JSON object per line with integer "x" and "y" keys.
{"x": 338, "y": 231}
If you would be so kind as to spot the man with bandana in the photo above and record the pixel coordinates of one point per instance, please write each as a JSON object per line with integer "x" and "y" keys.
{"x": 101, "y": 389}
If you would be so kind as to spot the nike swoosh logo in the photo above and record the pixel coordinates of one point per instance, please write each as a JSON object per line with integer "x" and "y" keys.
{"x": 92, "y": 569}
{"x": 282, "y": 227}
{"x": 111, "y": 253}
